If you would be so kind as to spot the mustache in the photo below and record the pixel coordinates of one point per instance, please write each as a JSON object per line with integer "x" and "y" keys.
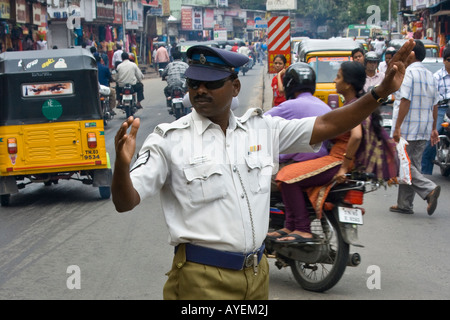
{"x": 202, "y": 98}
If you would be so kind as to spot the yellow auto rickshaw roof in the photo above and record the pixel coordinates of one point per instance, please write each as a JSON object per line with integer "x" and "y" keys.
{"x": 320, "y": 45}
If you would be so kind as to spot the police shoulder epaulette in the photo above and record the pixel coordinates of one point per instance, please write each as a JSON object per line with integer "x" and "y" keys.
{"x": 250, "y": 113}
{"x": 162, "y": 128}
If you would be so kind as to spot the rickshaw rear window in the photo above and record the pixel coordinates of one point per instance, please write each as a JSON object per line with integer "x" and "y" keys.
{"x": 326, "y": 68}
{"x": 47, "y": 89}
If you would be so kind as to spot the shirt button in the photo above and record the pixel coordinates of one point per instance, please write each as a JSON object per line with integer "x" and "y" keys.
{"x": 234, "y": 168}
{"x": 242, "y": 195}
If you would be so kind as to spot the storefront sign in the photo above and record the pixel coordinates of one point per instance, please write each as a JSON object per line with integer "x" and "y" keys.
{"x": 105, "y": 9}
{"x": 198, "y": 19}
{"x": 5, "y": 9}
{"x": 20, "y": 11}
{"x": 186, "y": 18}
{"x": 208, "y": 19}
{"x": 118, "y": 12}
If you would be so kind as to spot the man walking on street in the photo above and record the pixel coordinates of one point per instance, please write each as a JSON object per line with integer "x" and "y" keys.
{"x": 416, "y": 122}
{"x": 162, "y": 57}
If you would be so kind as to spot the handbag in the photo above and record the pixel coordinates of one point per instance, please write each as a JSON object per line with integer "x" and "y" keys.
{"x": 404, "y": 175}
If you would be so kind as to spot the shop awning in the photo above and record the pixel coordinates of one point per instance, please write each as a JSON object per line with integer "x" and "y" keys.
{"x": 440, "y": 13}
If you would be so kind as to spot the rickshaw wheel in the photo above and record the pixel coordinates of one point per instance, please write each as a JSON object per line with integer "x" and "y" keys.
{"x": 4, "y": 199}
{"x": 105, "y": 192}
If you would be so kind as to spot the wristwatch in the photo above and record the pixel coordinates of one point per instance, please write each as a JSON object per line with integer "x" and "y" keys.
{"x": 377, "y": 97}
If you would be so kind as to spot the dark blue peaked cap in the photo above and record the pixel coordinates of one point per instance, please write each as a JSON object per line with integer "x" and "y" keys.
{"x": 212, "y": 64}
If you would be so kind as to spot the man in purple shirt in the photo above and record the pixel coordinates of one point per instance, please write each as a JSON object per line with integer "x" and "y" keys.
{"x": 300, "y": 84}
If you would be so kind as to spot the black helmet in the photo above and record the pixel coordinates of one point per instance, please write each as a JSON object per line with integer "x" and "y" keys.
{"x": 299, "y": 77}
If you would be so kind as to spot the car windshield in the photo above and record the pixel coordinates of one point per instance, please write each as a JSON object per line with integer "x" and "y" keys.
{"x": 326, "y": 68}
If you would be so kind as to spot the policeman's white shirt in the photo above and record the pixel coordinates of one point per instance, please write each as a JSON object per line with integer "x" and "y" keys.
{"x": 214, "y": 187}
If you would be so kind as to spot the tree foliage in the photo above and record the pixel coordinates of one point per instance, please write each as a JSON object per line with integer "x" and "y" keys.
{"x": 336, "y": 14}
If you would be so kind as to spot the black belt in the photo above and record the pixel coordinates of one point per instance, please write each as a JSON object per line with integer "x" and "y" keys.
{"x": 221, "y": 259}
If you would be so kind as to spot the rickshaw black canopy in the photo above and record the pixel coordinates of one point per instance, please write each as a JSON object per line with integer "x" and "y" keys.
{"x": 34, "y": 82}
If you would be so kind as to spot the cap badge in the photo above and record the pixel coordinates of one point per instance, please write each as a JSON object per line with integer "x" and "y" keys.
{"x": 202, "y": 59}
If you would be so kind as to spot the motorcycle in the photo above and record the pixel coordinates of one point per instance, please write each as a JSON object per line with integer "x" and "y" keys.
{"x": 319, "y": 264}
{"x": 176, "y": 101}
{"x": 127, "y": 100}
{"x": 108, "y": 114}
{"x": 443, "y": 146}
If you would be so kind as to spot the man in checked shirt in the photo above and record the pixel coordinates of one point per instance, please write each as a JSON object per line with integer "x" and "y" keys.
{"x": 174, "y": 74}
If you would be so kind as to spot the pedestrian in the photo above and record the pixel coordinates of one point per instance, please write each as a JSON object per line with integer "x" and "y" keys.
{"x": 117, "y": 56}
{"x": 358, "y": 55}
{"x": 279, "y": 64}
{"x": 155, "y": 65}
{"x": 414, "y": 119}
{"x": 213, "y": 172}
{"x": 387, "y": 57}
{"x": 373, "y": 76}
{"x": 443, "y": 82}
{"x": 162, "y": 57}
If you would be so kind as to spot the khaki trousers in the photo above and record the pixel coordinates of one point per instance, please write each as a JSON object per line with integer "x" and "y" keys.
{"x": 192, "y": 281}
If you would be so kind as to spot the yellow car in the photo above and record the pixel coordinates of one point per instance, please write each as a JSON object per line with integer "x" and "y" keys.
{"x": 325, "y": 57}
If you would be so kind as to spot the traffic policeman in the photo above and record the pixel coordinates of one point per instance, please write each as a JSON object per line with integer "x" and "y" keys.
{"x": 213, "y": 172}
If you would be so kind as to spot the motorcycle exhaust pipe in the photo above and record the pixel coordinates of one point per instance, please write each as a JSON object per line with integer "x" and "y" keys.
{"x": 354, "y": 259}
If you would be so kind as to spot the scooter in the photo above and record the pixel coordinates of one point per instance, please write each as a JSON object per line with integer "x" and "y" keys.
{"x": 319, "y": 264}
{"x": 443, "y": 146}
{"x": 128, "y": 100}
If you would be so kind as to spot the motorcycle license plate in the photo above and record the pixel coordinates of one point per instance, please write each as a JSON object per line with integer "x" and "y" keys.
{"x": 177, "y": 100}
{"x": 387, "y": 122}
{"x": 127, "y": 97}
{"x": 350, "y": 215}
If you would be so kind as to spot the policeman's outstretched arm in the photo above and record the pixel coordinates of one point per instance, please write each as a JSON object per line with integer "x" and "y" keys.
{"x": 124, "y": 196}
{"x": 344, "y": 119}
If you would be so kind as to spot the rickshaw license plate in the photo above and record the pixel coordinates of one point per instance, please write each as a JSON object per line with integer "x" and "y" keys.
{"x": 350, "y": 215}
{"x": 177, "y": 100}
{"x": 127, "y": 97}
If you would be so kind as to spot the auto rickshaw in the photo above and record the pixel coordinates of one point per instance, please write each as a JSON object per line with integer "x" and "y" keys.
{"x": 51, "y": 124}
{"x": 183, "y": 46}
{"x": 431, "y": 47}
{"x": 325, "y": 57}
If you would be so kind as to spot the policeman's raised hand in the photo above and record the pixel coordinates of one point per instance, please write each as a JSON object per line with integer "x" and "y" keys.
{"x": 396, "y": 68}
{"x": 125, "y": 142}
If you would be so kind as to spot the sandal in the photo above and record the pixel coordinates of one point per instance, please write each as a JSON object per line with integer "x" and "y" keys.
{"x": 281, "y": 234}
{"x": 297, "y": 239}
{"x": 395, "y": 208}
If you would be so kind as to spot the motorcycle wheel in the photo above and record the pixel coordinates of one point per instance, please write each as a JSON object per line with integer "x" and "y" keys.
{"x": 128, "y": 112}
{"x": 4, "y": 199}
{"x": 178, "y": 112}
{"x": 442, "y": 156}
{"x": 320, "y": 277}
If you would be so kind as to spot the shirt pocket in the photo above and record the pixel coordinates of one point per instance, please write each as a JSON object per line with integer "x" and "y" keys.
{"x": 204, "y": 183}
{"x": 259, "y": 173}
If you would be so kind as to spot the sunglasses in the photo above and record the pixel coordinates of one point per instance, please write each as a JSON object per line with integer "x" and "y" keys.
{"x": 210, "y": 85}
{"x": 448, "y": 59}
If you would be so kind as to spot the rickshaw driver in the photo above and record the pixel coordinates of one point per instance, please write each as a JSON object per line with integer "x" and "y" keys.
{"x": 214, "y": 183}
{"x": 129, "y": 72}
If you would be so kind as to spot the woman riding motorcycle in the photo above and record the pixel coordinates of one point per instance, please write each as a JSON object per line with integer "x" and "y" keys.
{"x": 316, "y": 176}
